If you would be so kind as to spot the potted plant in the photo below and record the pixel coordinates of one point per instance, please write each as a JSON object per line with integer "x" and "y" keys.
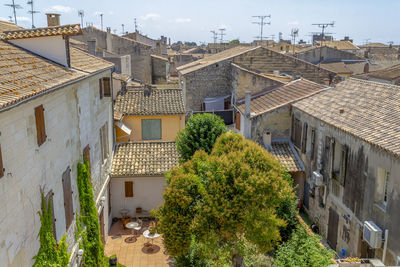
{"x": 113, "y": 260}
{"x": 352, "y": 261}
{"x": 138, "y": 210}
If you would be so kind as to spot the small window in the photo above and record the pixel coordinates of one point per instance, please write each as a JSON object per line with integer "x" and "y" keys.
{"x": 151, "y": 129}
{"x": 382, "y": 187}
{"x": 106, "y": 87}
{"x": 128, "y": 189}
{"x": 312, "y": 144}
{"x": 40, "y": 126}
{"x": 296, "y": 132}
{"x": 1, "y": 165}
{"x": 104, "y": 142}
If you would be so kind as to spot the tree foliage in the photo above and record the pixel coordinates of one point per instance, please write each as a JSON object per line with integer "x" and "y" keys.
{"x": 49, "y": 254}
{"x": 200, "y": 132}
{"x": 87, "y": 222}
{"x": 225, "y": 199}
{"x": 302, "y": 249}
{"x": 235, "y": 41}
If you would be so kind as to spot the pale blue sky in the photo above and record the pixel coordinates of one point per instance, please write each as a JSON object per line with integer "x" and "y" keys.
{"x": 193, "y": 20}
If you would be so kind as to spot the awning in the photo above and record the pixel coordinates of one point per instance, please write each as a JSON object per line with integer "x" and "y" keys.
{"x": 123, "y": 127}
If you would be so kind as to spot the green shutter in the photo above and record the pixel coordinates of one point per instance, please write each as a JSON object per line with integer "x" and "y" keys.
{"x": 151, "y": 129}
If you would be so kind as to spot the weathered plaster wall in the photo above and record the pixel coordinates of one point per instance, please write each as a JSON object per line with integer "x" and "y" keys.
{"x": 328, "y": 53}
{"x": 159, "y": 70}
{"x": 73, "y": 117}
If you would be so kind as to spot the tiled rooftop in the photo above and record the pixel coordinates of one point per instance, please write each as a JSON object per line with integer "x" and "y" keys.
{"x": 390, "y": 73}
{"x": 287, "y": 156}
{"x": 144, "y": 158}
{"x": 158, "y": 102}
{"x": 85, "y": 62}
{"x": 367, "y": 110}
{"x": 338, "y": 67}
{"x": 8, "y": 26}
{"x": 341, "y": 45}
{"x": 72, "y": 29}
{"x": 279, "y": 96}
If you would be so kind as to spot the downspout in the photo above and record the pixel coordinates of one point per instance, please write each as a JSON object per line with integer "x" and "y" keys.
{"x": 385, "y": 246}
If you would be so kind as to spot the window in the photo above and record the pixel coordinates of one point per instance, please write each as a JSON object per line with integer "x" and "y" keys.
{"x": 382, "y": 187}
{"x": 40, "y": 126}
{"x": 68, "y": 205}
{"x": 104, "y": 141}
{"x": 237, "y": 120}
{"x": 296, "y": 132}
{"x": 129, "y": 189}
{"x": 104, "y": 87}
{"x": 304, "y": 140}
{"x": 1, "y": 165}
{"x": 343, "y": 165}
{"x": 151, "y": 129}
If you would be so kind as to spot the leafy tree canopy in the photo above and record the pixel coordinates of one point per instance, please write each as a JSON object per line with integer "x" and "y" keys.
{"x": 225, "y": 199}
{"x": 235, "y": 41}
{"x": 200, "y": 132}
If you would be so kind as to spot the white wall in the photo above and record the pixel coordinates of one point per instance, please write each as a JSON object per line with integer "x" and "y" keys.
{"x": 147, "y": 194}
{"x": 73, "y": 117}
{"x": 50, "y": 47}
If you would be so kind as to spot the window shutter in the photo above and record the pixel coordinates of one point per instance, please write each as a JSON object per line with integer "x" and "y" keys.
{"x": 101, "y": 143}
{"x": 297, "y": 133}
{"x": 86, "y": 153}
{"x": 49, "y": 199}
{"x": 151, "y": 129}
{"x": 101, "y": 88}
{"x": 107, "y": 86}
{"x": 128, "y": 189}
{"x": 237, "y": 120}
{"x": 105, "y": 142}
{"x": 304, "y": 140}
{"x": 1, "y": 165}
{"x": 40, "y": 126}
{"x": 343, "y": 164}
{"x": 68, "y": 205}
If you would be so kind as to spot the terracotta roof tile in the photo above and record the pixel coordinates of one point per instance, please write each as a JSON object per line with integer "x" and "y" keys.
{"x": 144, "y": 159}
{"x": 160, "y": 101}
{"x": 8, "y": 26}
{"x": 287, "y": 156}
{"x": 85, "y": 62}
{"x": 279, "y": 96}
{"x": 72, "y": 29}
{"x": 367, "y": 110}
{"x": 341, "y": 45}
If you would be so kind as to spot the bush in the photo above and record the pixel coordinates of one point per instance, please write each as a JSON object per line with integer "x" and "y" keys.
{"x": 302, "y": 249}
{"x": 200, "y": 132}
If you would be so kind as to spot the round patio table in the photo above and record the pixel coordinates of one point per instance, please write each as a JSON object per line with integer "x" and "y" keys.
{"x": 131, "y": 225}
{"x": 150, "y": 248}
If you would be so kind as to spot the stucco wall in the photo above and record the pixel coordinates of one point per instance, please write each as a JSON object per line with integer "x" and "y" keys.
{"x": 73, "y": 117}
{"x": 170, "y": 126}
{"x": 147, "y": 194}
{"x": 313, "y": 56}
{"x": 356, "y": 197}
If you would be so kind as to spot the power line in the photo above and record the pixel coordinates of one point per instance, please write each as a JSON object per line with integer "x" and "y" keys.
{"x": 14, "y": 7}
{"x": 32, "y": 12}
{"x": 221, "y": 33}
{"x": 323, "y": 26}
{"x": 81, "y": 13}
{"x": 215, "y": 36}
{"x": 261, "y": 23}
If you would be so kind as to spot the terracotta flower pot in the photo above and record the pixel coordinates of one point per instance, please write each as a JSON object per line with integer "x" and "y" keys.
{"x": 138, "y": 210}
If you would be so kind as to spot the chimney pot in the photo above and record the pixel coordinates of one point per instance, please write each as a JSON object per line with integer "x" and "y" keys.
{"x": 53, "y": 19}
{"x": 247, "y": 104}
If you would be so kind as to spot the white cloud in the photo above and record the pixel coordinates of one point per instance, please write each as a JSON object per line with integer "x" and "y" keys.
{"x": 60, "y": 8}
{"x": 183, "y": 20}
{"x": 294, "y": 23}
{"x": 97, "y": 13}
{"x": 23, "y": 19}
{"x": 150, "y": 16}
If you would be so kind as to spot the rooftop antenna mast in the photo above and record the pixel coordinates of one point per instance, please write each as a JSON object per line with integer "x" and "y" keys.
{"x": 32, "y": 12}
{"x": 366, "y": 41}
{"x": 215, "y": 36}
{"x": 323, "y": 26}
{"x": 136, "y": 25}
{"x": 101, "y": 20}
{"x": 81, "y": 13}
{"x": 261, "y": 23}
{"x": 295, "y": 32}
{"x": 221, "y": 33}
{"x": 10, "y": 19}
{"x": 123, "y": 29}
{"x": 14, "y": 7}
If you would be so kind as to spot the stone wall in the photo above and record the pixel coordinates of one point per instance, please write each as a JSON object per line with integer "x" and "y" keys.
{"x": 328, "y": 54}
{"x": 73, "y": 117}
{"x": 159, "y": 70}
{"x": 355, "y": 201}
{"x": 179, "y": 60}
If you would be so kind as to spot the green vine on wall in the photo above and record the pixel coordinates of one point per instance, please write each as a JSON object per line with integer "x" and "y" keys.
{"x": 49, "y": 254}
{"x": 88, "y": 228}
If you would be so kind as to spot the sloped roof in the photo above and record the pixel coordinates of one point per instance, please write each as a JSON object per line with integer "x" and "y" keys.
{"x": 144, "y": 159}
{"x": 212, "y": 59}
{"x": 72, "y": 29}
{"x": 158, "y": 102}
{"x": 121, "y": 77}
{"x": 287, "y": 156}
{"x": 159, "y": 57}
{"x": 390, "y": 73}
{"x": 341, "y": 45}
{"x": 88, "y": 63}
{"x": 373, "y": 45}
{"x": 367, "y": 110}
{"x": 338, "y": 67}
{"x": 279, "y": 96}
{"x": 8, "y": 26}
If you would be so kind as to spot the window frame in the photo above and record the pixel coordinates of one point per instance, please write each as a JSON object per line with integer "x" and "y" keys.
{"x": 149, "y": 139}
{"x": 127, "y": 190}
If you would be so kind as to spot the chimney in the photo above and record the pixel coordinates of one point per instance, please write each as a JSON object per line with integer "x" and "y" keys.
{"x": 147, "y": 90}
{"x": 247, "y": 104}
{"x": 92, "y": 46}
{"x": 53, "y": 19}
{"x": 267, "y": 139}
{"x": 276, "y": 72}
{"x": 109, "y": 40}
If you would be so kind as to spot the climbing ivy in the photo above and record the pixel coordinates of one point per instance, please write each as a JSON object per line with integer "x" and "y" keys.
{"x": 49, "y": 254}
{"x": 87, "y": 222}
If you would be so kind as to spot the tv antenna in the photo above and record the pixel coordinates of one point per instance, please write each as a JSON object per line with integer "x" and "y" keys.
{"x": 215, "y": 36}
{"x": 14, "y": 6}
{"x": 32, "y": 12}
{"x": 136, "y": 25}
{"x": 123, "y": 29}
{"x": 101, "y": 20}
{"x": 81, "y": 13}
{"x": 221, "y": 33}
{"x": 10, "y": 19}
{"x": 261, "y": 23}
{"x": 323, "y": 26}
{"x": 294, "y": 33}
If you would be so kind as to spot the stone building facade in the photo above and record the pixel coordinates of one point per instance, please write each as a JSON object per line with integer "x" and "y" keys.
{"x": 160, "y": 69}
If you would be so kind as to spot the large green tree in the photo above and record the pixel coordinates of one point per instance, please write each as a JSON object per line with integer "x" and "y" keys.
{"x": 225, "y": 199}
{"x": 200, "y": 132}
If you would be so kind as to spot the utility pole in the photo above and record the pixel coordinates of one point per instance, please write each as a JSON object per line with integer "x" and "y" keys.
{"x": 123, "y": 30}
{"x": 215, "y": 36}
{"x": 221, "y": 33}
{"x": 81, "y": 13}
{"x": 32, "y": 11}
{"x": 261, "y": 23}
{"x": 323, "y": 26}
{"x": 101, "y": 20}
{"x": 135, "y": 25}
{"x": 14, "y": 7}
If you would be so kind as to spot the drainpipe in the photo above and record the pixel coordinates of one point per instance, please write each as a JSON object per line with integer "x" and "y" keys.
{"x": 385, "y": 246}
